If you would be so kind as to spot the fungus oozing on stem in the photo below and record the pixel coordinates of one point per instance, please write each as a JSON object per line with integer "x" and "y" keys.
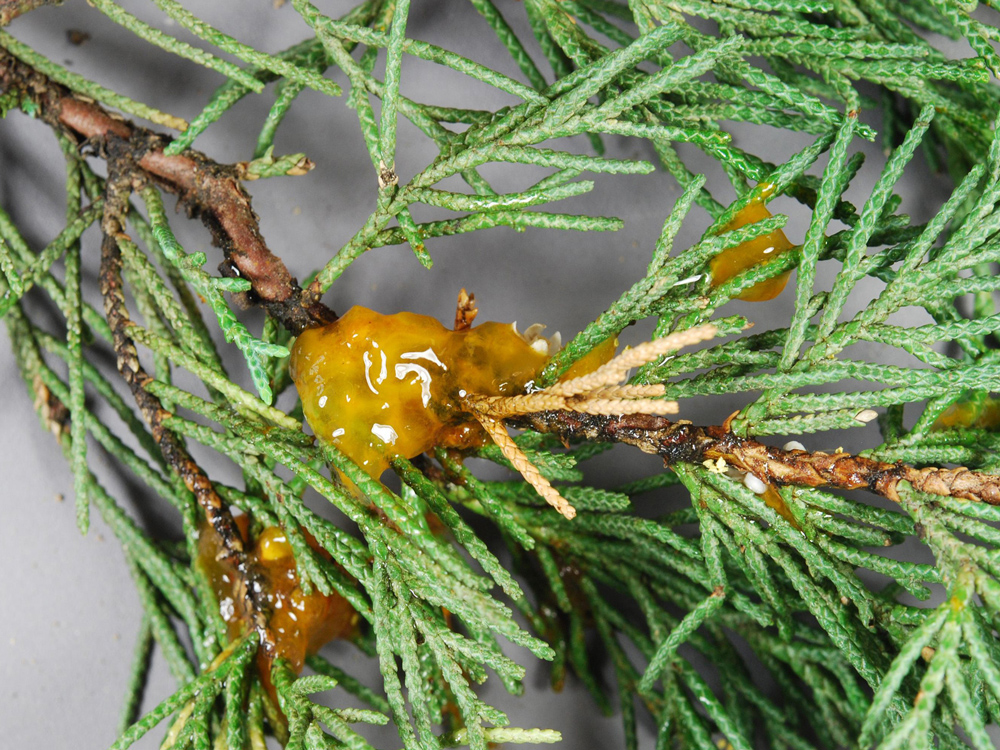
{"x": 299, "y": 623}
{"x": 734, "y": 260}
{"x": 380, "y": 386}
{"x": 982, "y": 412}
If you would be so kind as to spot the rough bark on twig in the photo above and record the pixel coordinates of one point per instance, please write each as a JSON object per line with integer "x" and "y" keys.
{"x": 208, "y": 190}
{"x": 684, "y": 442}
{"x": 122, "y": 171}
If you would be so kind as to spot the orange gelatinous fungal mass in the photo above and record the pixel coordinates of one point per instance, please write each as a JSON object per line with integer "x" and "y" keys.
{"x": 377, "y": 386}
{"x": 380, "y": 386}
{"x": 983, "y": 414}
{"x": 599, "y": 355}
{"x": 735, "y": 260}
{"x": 300, "y": 624}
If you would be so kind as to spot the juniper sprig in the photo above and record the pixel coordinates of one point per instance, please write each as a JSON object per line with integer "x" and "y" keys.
{"x": 790, "y": 597}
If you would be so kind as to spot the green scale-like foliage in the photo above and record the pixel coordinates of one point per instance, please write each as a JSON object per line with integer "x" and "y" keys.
{"x": 849, "y": 664}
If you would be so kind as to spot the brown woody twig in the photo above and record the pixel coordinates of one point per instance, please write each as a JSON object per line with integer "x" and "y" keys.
{"x": 124, "y": 175}
{"x": 684, "y": 442}
{"x": 208, "y": 190}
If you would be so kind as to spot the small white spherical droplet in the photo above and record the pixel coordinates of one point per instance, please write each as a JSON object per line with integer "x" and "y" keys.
{"x": 793, "y": 445}
{"x": 866, "y": 415}
{"x": 755, "y": 484}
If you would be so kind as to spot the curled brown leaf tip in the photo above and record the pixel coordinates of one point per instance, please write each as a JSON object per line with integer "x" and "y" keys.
{"x": 465, "y": 311}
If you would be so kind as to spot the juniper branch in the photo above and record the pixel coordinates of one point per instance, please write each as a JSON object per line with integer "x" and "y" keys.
{"x": 210, "y": 190}
{"x": 768, "y": 549}
{"x": 690, "y": 444}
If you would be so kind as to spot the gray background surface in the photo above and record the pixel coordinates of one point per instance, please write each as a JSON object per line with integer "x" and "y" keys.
{"x": 69, "y": 611}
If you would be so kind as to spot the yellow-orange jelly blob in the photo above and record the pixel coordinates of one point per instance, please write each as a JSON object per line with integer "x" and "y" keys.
{"x": 380, "y": 386}
{"x": 599, "y": 355}
{"x": 299, "y": 623}
{"x": 984, "y": 415}
{"x": 735, "y": 260}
